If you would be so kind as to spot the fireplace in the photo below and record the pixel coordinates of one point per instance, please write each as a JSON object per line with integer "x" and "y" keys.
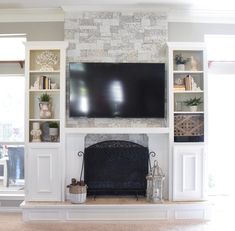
{"x": 116, "y": 167}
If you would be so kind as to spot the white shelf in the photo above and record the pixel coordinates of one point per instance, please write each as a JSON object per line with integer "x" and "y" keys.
{"x": 117, "y": 130}
{"x": 188, "y": 112}
{"x": 47, "y": 144}
{"x": 40, "y": 72}
{"x": 187, "y": 92}
{"x": 188, "y": 72}
{"x": 44, "y": 90}
{"x": 44, "y": 120}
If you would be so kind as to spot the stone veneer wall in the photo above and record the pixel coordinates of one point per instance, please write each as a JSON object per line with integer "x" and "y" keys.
{"x": 115, "y": 37}
{"x": 91, "y": 139}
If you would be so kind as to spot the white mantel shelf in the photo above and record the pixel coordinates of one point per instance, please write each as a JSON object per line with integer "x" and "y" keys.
{"x": 117, "y": 130}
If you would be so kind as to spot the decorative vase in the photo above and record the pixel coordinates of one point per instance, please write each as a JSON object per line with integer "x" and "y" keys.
{"x": 193, "y": 63}
{"x": 36, "y": 132}
{"x": 45, "y": 110}
{"x": 193, "y": 108}
{"x": 180, "y": 67}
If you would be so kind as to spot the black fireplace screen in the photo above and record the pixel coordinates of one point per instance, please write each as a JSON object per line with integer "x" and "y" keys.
{"x": 116, "y": 168}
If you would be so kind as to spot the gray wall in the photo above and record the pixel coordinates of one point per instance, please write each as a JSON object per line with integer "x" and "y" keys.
{"x": 35, "y": 31}
{"x": 195, "y": 32}
{"x": 177, "y": 32}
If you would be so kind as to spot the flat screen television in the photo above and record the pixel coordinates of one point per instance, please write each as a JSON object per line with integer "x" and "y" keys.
{"x": 126, "y": 90}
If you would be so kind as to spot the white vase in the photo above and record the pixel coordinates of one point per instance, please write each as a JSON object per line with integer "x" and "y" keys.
{"x": 53, "y": 133}
{"x": 193, "y": 108}
{"x": 180, "y": 67}
{"x": 193, "y": 63}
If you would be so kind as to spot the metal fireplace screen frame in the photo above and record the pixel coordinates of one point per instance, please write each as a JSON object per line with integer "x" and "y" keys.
{"x": 116, "y": 167}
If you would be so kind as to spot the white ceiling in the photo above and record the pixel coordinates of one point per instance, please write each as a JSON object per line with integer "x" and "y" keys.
{"x": 199, "y": 4}
{"x": 21, "y": 4}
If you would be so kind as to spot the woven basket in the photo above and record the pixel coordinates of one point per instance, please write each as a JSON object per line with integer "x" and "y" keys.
{"x": 77, "y": 194}
{"x": 188, "y": 125}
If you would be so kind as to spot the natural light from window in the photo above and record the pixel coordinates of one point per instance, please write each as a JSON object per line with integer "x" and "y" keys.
{"x": 214, "y": 4}
{"x": 12, "y": 48}
{"x": 221, "y": 113}
{"x": 12, "y": 108}
{"x": 12, "y": 104}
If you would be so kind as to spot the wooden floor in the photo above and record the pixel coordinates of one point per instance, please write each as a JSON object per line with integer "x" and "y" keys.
{"x": 13, "y": 222}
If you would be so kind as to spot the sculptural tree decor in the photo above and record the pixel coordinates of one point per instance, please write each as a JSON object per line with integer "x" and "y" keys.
{"x": 47, "y": 60}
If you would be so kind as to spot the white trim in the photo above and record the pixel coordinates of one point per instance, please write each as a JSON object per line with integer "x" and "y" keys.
{"x": 11, "y": 143}
{"x": 12, "y": 75}
{"x": 11, "y": 196}
{"x": 175, "y": 14}
{"x": 10, "y": 210}
{"x": 119, "y": 212}
{"x": 31, "y": 15}
{"x": 116, "y": 7}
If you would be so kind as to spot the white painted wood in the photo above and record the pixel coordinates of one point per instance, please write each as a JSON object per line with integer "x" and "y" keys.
{"x": 109, "y": 212}
{"x": 50, "y": 166}
{"x": 187, "y": 160}
{"x": 44, "y": 171}
{"x": 44, "y": 180}
{"x": 188, "y": 172}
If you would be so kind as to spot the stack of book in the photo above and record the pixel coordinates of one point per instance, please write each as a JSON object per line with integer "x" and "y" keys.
{"x": 44, "y": 82}
{"x": 179, "y": 87}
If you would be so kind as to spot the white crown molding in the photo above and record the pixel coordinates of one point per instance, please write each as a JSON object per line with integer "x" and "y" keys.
{"x": 201, "y": 16}
{"x": 116, "y": 7}
{"x": 31, "y": 15}
{"x": 175, "y": 14}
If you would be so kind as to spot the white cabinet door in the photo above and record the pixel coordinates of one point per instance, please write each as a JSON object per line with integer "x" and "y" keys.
{"x": 188, "y": 172}
{"x": 43, "y": 174}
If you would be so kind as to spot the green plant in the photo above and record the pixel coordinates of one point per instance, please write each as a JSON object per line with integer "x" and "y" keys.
{"x": 193, "y": 101}
{"x": 180, "y": 60}
{"x": 44, "y": 97}
{"x": 53, "y": 125}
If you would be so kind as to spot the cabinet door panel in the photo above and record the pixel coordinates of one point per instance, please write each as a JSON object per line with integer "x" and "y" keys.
{"x": 44, "y": 184}
{"x": 188, "y": 172}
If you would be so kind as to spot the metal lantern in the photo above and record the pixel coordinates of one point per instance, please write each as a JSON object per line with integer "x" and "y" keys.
{"x": 155, "y": 181}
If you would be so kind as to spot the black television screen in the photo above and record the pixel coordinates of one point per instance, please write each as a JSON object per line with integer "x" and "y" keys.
{"x": 106, "y": 90}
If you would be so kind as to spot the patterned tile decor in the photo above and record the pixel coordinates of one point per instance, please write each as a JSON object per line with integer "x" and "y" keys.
{"x": 115, "y": 37}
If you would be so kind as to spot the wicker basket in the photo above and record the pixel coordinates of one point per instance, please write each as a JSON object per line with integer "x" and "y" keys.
{"x": 77, "y": 194}
{"x": 189, "y": 127}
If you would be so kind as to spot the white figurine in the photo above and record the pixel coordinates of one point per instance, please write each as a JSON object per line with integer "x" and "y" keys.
{"x": 36, "y": 132}
{"x": 36, "y": 85}
{"x": 53, "y": 86}
{"x": 194, "y": 86}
